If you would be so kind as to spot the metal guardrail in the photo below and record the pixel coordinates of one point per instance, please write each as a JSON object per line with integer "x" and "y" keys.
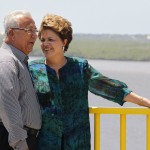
{"x": 123, "y": 112}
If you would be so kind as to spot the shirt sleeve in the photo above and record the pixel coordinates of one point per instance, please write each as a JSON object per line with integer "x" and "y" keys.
{"x": 10, "y": 110}
{"x": 21, "y": 145}
{"x": 105, "y": 87}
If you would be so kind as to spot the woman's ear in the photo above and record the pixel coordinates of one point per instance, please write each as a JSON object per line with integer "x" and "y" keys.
{"x": 65, "y": 42}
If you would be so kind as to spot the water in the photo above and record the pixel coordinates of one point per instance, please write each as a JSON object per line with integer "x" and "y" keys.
{"x": 136, "y": 76}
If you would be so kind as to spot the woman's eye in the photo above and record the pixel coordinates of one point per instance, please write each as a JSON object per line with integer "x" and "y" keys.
{"x": 42, "y": 40}
{"x": 50, "y": 39}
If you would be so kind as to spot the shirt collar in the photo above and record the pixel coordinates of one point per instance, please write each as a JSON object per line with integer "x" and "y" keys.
{"x": 18, "y": 53}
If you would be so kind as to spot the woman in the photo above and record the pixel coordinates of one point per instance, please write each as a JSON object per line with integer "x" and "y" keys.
{"x": 62, "y": 85}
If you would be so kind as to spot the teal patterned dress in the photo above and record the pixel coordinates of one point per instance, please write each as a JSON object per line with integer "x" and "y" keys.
{"x": 64, "y": 102}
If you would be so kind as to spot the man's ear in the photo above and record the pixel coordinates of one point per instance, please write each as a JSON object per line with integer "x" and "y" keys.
{"x": 11, "y": 34}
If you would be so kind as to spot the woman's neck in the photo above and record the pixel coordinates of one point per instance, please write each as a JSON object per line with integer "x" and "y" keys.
{"x": 56, "y": 64}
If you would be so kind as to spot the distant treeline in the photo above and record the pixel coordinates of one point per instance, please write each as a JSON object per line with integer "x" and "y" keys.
{"x": 106, "y": 46}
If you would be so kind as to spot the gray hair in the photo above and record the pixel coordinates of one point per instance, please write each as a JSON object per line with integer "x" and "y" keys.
{"x": 11, "y": 20}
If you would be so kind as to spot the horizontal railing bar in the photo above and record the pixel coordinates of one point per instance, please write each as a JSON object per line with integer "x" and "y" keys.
{"x": 118, "y": 110}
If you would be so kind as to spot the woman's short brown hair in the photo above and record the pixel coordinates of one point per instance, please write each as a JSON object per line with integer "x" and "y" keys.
{"x": 61, "y": 26}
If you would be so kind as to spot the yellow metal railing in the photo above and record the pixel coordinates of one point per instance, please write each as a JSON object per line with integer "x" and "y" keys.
{"x": 123, "y": 112}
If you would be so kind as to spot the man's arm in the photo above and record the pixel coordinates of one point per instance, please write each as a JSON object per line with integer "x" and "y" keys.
{"x": 10, "y": 110}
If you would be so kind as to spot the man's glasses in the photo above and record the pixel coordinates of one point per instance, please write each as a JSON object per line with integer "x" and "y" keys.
{"x": 28, "y": 30}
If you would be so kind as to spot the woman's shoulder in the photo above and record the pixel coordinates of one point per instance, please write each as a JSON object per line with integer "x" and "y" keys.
{"x": 37, "y": 62}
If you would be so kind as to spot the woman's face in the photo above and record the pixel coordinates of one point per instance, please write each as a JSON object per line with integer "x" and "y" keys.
{"x": 51, "y": 44}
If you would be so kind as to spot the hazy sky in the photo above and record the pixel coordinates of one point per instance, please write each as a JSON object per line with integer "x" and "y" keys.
{"x": 89, "y": 16}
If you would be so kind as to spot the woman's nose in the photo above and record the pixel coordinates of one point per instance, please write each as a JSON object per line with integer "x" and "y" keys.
{"x": 46, "y": 42}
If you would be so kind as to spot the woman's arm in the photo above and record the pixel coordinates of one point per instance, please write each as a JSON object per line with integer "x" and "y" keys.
{"x": 137, "y": 99}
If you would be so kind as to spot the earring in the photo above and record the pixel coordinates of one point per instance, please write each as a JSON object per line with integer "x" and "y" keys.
{"x": 63, "y": 47}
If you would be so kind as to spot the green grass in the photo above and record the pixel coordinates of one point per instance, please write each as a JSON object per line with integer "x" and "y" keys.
{"x": 118, "y": 49}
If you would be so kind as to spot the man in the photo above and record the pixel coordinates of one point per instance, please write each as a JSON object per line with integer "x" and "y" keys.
{"x": 20, "y": 118}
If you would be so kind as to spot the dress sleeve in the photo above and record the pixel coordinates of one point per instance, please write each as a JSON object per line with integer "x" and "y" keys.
{"x": 105, "y": 87}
